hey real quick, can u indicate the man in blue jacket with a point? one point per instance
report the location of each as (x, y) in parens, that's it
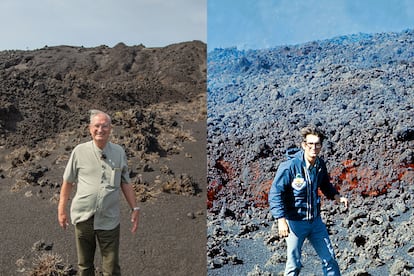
(295, 204)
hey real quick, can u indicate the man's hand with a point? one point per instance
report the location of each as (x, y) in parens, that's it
(129, 194)
(341, 199)
(283, 227)
(65, 191)
(63, 219)
(134, 221)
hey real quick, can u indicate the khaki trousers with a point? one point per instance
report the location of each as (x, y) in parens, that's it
(108, 241)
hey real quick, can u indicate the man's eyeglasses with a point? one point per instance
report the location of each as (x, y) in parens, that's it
(313, 145)
(103, 126)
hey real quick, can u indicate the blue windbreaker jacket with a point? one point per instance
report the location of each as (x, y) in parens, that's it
(294, 195)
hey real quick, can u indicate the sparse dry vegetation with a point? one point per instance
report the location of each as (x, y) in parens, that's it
(182, 185)
(46, 264)
(144, 193)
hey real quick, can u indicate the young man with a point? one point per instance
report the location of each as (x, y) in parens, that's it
(99, 168)
(295, 204)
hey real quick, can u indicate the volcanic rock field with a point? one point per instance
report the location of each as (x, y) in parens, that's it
(359, 89)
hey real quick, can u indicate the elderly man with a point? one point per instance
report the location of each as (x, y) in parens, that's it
(295, 204)
(99, 170)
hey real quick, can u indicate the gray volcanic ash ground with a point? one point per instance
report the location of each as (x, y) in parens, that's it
(359, 88)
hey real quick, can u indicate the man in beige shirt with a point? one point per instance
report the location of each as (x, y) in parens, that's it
(99, 169)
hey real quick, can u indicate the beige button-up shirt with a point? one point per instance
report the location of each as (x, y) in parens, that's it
(98, 175)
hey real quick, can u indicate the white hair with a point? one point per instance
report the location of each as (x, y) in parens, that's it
(95, 112)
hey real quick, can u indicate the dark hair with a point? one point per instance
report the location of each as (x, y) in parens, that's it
(313, 130)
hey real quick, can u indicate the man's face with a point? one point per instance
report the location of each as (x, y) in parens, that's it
(100, 129)
(312, 147)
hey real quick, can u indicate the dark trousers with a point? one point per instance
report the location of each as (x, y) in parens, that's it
(108, 241)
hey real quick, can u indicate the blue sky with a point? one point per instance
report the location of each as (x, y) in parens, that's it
(258, 24)
(29, 24)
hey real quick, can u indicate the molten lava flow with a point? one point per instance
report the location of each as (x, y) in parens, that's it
(261, 195)
(213, 189)
(365, 180)
(349, 176)
(258, 188)
(215, 186)
(402, 174)
(225, 167)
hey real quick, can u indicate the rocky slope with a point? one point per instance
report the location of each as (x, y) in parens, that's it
(359, 89)
(50, 90)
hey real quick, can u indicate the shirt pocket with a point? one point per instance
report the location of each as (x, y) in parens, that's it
(116, 177)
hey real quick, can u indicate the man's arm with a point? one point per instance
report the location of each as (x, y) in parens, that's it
(276, 201)
(129, 194)
(275, 197)
(65, 192)
(329, 190)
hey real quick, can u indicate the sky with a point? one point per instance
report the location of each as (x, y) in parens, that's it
(260, 24)
(29, 24)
